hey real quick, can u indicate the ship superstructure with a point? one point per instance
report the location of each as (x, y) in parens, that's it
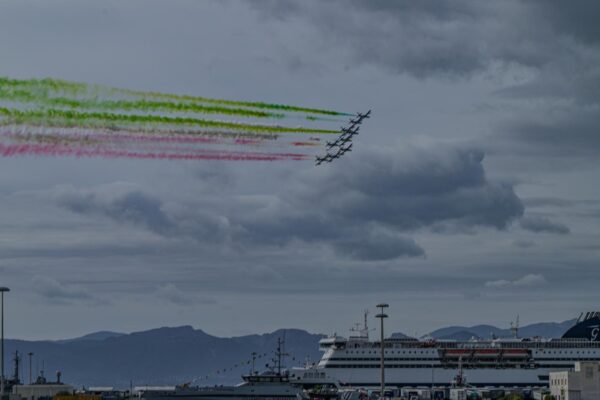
(355, 361)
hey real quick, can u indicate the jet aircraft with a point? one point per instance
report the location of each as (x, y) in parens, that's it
(344, 141)
(360, 117)
(327, 158)
(350, 131)
(346, 149)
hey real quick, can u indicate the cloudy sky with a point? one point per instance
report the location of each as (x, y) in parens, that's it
(471, 195)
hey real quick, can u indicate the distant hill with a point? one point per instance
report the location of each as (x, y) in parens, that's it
(101, 335)
(399, 335)
(545, 329)
(160, 356)
(460, 335)
(167, 356)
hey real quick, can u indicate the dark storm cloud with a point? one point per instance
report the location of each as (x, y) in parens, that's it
(129, 205)
(132, 207)
(377, 246)
(411, 189)
(558, 42)
(443, 38)
(569, 132)
(361, 207)
(384, 33)
(578, 18)
(532, 202)
(542, 224)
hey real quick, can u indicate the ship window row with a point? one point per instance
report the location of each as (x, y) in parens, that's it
(453, 366)
(557, 343)
(432, 352)
(570, 359)
(569, 352)
(378, 359)
(490, 359)
(390, 352)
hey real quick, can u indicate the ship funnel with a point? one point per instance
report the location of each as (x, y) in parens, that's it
(587, 327)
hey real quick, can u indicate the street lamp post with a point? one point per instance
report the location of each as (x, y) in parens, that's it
(381, 316)
(30, 354)
(2, 290)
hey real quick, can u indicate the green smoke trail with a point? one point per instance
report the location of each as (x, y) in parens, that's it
(48, 86)
(103, 119)
(126, 105)
(255, 104)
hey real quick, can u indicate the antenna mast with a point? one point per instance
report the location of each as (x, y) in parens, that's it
(514, 328)
(17, 361)
(280, 354)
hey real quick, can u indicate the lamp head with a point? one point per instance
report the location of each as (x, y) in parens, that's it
(4, 289)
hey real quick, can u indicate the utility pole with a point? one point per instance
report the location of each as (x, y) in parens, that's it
(382, 316)
(30, 354)
(253, 363)
(2, 291)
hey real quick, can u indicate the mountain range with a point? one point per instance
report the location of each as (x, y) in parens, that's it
(167, 356)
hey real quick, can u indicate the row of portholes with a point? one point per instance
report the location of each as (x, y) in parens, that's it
(567, 352)
(391, 352)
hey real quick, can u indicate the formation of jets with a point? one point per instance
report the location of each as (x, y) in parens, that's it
(343, 144)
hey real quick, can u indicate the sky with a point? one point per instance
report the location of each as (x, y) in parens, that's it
(470, 196)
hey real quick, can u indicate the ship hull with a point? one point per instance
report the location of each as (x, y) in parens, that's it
(440, 376)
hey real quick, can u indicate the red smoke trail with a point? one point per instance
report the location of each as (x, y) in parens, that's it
(125, 137)
(64, 150)
(309, 144)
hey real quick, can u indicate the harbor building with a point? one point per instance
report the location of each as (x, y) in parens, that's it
(41, 389)
(581, 384)
(37, 391)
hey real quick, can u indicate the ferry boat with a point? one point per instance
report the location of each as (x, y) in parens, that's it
(525, 362)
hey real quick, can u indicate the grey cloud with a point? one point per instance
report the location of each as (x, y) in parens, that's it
(557, 202)
(125, 207)
(365, 202)
(524, 281)
(59, 293)
(531, 202)
(410, 189)
(576, 18)
(171, 293)
(127, 204)
(569, 131)
(540, 224)
(359, 207)
(557, 43)
(524, 243)
(443, 38)
(377, 246)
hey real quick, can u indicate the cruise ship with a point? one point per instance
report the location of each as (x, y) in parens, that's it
(355, 361)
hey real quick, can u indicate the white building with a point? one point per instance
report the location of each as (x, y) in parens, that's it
(44, 391)
(581, 384)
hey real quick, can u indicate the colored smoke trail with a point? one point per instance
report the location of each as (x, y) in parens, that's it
(124, 138)
(138, 105)
(59, 118)
(65, 150)
(148, 131)
(54, 85)
(53, 117)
